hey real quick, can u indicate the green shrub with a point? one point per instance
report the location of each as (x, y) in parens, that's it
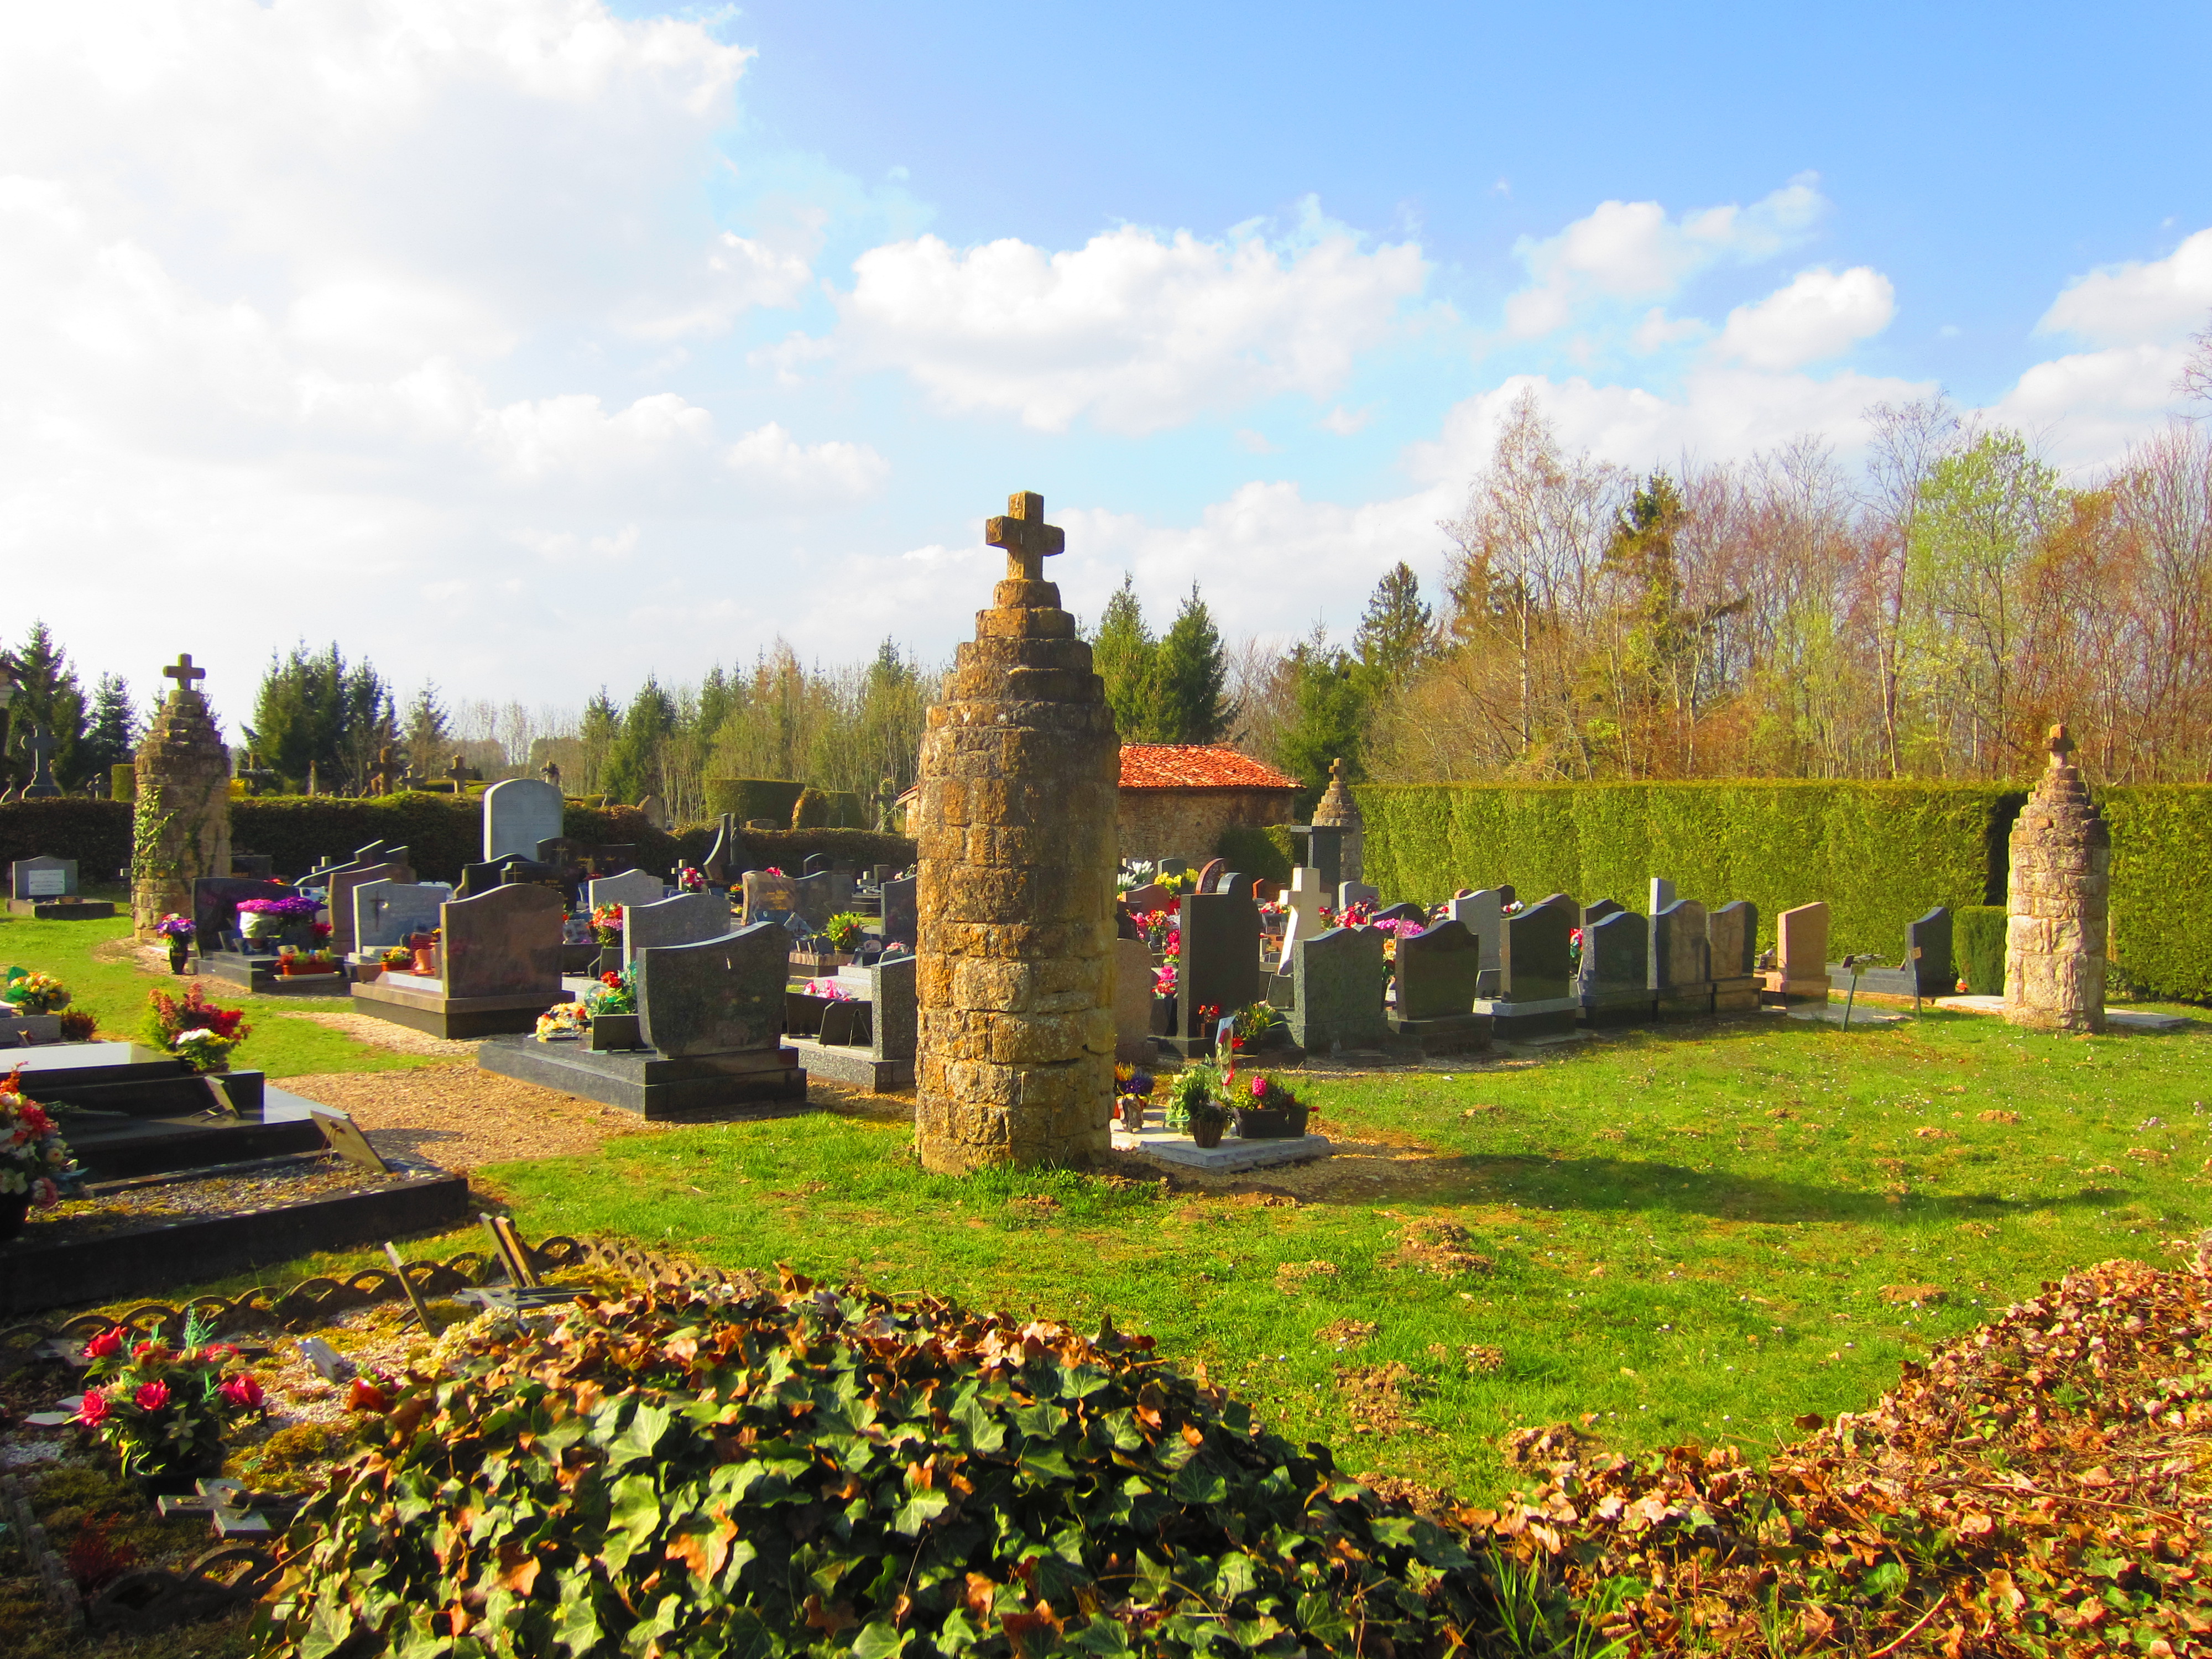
(811, 810)
(1978, 947)
(753, 798)
(2159, 938)
(95, 833)
(299, 831)
(1254, 852)
(1880, 854)
(717, 1471)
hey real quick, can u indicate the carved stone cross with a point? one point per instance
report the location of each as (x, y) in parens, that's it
(1028, 539)
(458, 773)
(183, 672)
(385, 775)
(2062, 747)
(41, 745)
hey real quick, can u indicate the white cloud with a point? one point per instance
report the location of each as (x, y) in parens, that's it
(1658, 331)
(1135, 330)
(1345, 422)
(2084, 408)
(2139, 303)
(1632, 251)
(772, 456)
(1820, 315)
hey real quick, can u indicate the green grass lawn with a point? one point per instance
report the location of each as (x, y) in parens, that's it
(115, 990)
(1690, 1235)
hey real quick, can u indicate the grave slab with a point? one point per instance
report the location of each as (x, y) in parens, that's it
(769, 1083)
(2123, 1019)
(419, 1002)
(258, 974)
(1230, 1155)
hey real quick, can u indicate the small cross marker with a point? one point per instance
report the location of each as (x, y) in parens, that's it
(183, 672)
(1028, 539)
(2062, 747)
(459, 773)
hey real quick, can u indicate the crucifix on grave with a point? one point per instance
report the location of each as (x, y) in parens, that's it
(458, 774)
(387, 773)
(42, 785)
(1028, 539)
(184, 672)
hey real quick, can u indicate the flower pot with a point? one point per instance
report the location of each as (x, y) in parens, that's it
(260, 926)
(426, 960)
(1206, 1132)
(613, 1031)
(1279, 1123)
(13, 1207)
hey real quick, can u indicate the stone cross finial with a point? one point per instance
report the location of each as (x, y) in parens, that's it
(2062, 747)
(41, 744)
(387, 773)
(1336, 770)
(459, 773)
(1028, 539)
(183, 672)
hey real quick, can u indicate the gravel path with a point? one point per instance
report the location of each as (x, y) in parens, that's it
(460, 1116)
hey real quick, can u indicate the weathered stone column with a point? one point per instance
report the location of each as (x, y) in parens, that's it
(2056, 900)
(180, 825)
(1020, 768)
(1336, 809)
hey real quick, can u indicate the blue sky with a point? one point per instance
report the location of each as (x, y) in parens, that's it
(528, 344)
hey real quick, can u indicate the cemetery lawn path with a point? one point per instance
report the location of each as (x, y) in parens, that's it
(109, 976)
(1672, 1234)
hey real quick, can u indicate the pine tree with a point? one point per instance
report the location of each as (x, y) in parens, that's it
(1192, 672)
(47, 694)
(602, 726)
(633, 766)
(1127, 657)
(1330, 714)
(428, 734)
(315, 710)
(112, 737)
(1397, 633)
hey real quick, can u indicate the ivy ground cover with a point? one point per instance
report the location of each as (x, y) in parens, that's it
(1661, 1238)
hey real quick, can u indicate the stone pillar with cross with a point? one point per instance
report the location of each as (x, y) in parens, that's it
(2058, 901)
(181, 827)
(1020, 774)
(1337, 809)
(41, 744)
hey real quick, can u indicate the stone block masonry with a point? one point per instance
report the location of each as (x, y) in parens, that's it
(2058, 896)
(180, 825)
(1014, 978)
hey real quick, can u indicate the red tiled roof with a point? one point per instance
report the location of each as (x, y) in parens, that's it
(1196, 766)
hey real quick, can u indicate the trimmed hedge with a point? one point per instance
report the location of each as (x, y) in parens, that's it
(1880, 854)
(1258, 852)
(753, 798)
(95, 833)
(2161, 938)
(1977, 947)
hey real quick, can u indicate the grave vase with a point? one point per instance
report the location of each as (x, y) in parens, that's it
(178, 950)
(426, 960)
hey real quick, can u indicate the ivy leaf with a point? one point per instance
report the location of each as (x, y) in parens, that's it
(979, 1431)
(1196, 1483)
(638, 1436)
(922, 1506)
(880, 1641)
(633, 1519)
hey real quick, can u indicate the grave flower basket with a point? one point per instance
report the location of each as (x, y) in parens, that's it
(1206, 1124)
(161, 1410)
(33, 1158)
(1270, 1112)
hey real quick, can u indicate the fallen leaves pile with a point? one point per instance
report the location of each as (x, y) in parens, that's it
(2036, 1488)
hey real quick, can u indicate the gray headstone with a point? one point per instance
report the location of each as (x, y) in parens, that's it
(631, 887)
(897, 1015)
(1732, 932)
(1220, 966)
(1337, 988)
(517, 814)
(1134, 977)
(768, 895)
(1662, 894)
(1681, 956)
(1437, 972)
(1539, 950)
(902, 913)
(715, 996)
(1403, 911)
(686, 918)
(343, 884)
(1143, 900)
(816, 898)
(816, 864)
(1354, 892)
(503, 943)
(720, 863)
(1616, 954)
(1928, 953)
(42, 878)
(1593, 914)
(1324, 852)
(1482, 914)
(386, 912)
(215, 905)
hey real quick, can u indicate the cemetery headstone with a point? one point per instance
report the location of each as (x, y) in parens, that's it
(2057, 900)
(1323, 852)
(631, 887)
(260, 867)
(1302, 902)
(1536, 989)
(722, 995)
(1614, 981)
(1239, 883)
(685, 919)
(816, 864)
(816, 898)
(1219, 972)
(769, 897)
(1662, 894)
(1210, 874)
(1402, 911)
(1133, 977)
(1928, 954)
(214, 907)
(721, 864)
(1681, 962)
(901, 920)
(1482, 913)
(894, 1015)
(1732, 936)
(655, 811)
(1337, 991)
(343, 885)
(1801, 956)
(517, 814)
(1015, 1062)
(1437, 977)
(503, 943)
(386, 912)
(1148, 897)
(42, 878)
(1350, 893)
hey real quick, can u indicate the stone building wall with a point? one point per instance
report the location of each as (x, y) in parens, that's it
(1164, 823)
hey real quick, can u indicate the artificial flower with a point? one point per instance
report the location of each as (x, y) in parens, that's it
(91, 1409)
(151, 1397)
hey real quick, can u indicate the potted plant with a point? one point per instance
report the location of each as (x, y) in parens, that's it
(845, 931)
(607, 928)
(1132, 1091)
(178, 931)
(163, 1410)
(689, 880)
(1208, 1118)
(612, 1004)
(194, 1030)
(263, 922)
(1192, 1105)
(34, 1157)
(1268, 1111)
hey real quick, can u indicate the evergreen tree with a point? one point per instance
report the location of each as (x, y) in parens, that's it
(428, 735)
(602, 726)
(47, 694)
(1126, 656)
(634, 765)
(889, 721)
(112, 737)
(315, 710)
(1329, 714)
(1192, 677)
(1397, 633)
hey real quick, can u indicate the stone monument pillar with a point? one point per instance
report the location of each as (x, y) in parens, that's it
(1020, 772)
(2056, 903)
(1337, 809)
(180, 824)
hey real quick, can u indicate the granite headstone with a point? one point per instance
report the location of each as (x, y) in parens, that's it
(716, 996)
(517, 814)
(503, 943)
